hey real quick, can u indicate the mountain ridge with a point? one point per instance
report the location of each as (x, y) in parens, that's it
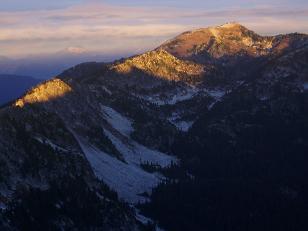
(159, 120)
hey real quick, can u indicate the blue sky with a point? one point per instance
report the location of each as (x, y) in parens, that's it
(130, 26)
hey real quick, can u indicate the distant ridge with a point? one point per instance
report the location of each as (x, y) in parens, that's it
(13, 86)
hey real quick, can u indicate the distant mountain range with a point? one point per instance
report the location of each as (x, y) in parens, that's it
(207, 132)
(49, 65)
(13, 86)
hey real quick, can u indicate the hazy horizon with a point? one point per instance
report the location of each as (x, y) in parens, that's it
(130, 27)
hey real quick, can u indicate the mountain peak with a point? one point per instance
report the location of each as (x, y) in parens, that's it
(224, 40)
(74, 50)
(231, 25)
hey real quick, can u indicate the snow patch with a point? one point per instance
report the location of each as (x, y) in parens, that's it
(128, 180)
(127, 177)
(135, 153)
(183, 125)
(132, 151)
(217, 94)
(107, 90)
(50, 143)
(145, 220)
(119, 122)
(180, 96)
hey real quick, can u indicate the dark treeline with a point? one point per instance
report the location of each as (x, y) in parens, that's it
(249, 167)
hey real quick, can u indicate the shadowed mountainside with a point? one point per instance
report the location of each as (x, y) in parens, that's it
(208, 131)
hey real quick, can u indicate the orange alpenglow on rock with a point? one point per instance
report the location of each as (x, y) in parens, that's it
(44, 92)
(227, 39)
(161, 64)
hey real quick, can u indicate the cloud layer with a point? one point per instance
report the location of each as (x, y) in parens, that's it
(129, 29)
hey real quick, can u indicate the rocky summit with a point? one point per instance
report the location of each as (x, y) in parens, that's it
(209, 131)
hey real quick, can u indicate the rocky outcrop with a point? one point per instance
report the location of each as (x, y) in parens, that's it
(45, 92)
(161, 64)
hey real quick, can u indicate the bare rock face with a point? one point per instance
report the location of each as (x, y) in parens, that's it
(45, 92)
(226, 40)
(161, 64)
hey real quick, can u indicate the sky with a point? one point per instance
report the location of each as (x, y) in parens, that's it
(31, 27)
